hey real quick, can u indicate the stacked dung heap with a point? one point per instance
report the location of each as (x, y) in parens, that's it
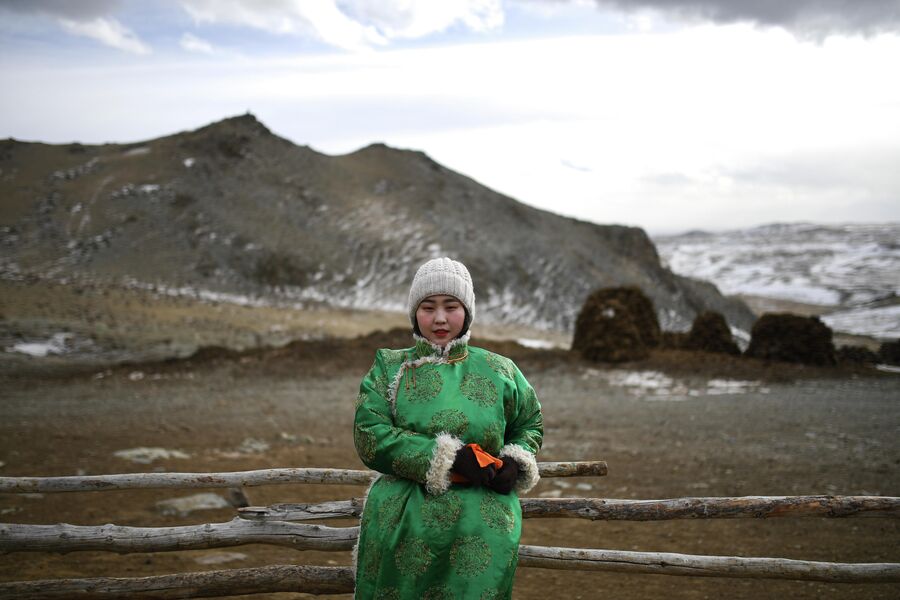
(792, 338)
(616, 325)
(856, 355)
(889, 353)
(710, 333)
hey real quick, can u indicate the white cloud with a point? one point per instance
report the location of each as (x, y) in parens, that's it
(321, 19)
(350, 24)
(192, 43)
(109, 31)
(418, 18)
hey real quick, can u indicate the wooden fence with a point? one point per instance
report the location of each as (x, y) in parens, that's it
(275, 525)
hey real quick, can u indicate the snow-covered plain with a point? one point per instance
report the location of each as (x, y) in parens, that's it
(852, 269)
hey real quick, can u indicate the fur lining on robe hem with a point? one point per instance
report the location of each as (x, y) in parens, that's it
(355, 553)
(437, 480)
(528, 476)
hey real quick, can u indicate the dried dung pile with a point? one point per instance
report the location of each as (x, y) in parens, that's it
(792, 338)
(616, 325)
(710, 333)
(889, 353)
(856, 355)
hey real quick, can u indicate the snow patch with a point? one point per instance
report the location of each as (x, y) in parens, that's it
(653, 385)
(189, 162)
(715, 387)
(137, 151)
(881, 322)
(57, 344)
(532, 343)
(144, 455)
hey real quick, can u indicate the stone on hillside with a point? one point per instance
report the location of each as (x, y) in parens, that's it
(889, 353)
(710, 333)
(792, 338)
(608, 329)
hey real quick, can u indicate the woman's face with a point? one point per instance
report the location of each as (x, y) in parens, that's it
(440, 319)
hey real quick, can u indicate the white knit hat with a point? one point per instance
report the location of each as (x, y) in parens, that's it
(443, 276)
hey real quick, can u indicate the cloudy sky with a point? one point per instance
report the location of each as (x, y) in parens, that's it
(666, 114)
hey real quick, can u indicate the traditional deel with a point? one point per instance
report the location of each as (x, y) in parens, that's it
(420, 535)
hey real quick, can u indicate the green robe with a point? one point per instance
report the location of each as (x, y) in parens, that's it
(420, 535)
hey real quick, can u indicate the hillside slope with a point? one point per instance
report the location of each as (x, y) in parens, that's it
(233, 208)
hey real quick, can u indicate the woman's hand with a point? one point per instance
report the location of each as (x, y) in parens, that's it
(505, 478)
(466, 464)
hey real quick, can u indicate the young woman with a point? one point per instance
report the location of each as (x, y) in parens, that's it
(454, 430)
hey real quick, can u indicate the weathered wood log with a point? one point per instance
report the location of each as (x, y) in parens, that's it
(95, 483)
(209, 584)
(756, 507)
(334, 580)
(667, 563)
(611, 509)
(127, 481)
(335, 509)
(64, 538)
(585, 468)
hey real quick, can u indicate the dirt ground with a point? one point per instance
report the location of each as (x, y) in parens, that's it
(677, 424)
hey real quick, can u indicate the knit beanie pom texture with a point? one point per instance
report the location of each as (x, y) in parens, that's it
(442, 276)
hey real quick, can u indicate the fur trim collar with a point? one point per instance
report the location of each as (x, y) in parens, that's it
(426, 352)
(455, 347)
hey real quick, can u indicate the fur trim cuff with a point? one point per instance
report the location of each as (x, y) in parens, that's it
(528, 476)
(437, 480)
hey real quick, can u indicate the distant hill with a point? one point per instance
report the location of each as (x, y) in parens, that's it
(848, 273)
(233, 208)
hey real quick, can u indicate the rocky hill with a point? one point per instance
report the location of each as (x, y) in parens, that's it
(234, 209)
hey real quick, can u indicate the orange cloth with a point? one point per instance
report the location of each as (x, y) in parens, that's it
(484, 459)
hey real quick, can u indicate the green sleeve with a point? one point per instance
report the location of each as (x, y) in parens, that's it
(392, 450)
(524, 432)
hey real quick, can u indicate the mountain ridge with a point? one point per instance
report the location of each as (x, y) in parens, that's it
(234, 208)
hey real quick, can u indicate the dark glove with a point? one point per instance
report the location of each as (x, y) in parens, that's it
(467, 465)
(506, 477)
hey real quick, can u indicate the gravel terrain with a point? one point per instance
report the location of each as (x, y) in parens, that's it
(674, 425)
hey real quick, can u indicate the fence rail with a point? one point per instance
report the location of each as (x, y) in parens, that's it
(134, 481)
(272, 525)
(612, 509)
(338, 580)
